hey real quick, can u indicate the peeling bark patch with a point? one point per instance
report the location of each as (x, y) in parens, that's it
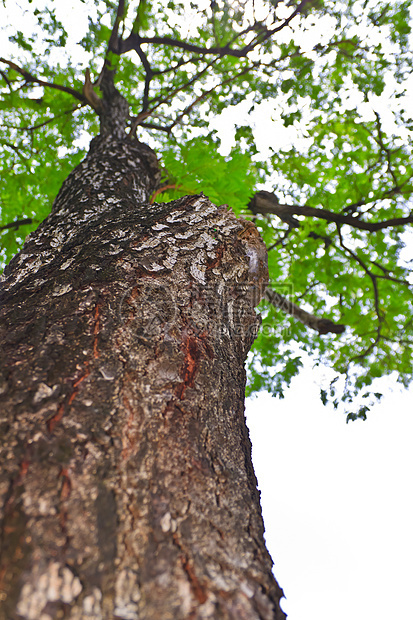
(66, 484)
(92, 605)
(192, 358)
(79, 381)
(129, 436)
(52, 584)
(199, 591)
(216, 260)
(127, 595)
(43, 391)
(55, 419)
(193, 354)
(196, 587)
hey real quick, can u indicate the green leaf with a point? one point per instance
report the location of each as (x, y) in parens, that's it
(345, 106)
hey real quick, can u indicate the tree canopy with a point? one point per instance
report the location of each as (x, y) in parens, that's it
(329, 189)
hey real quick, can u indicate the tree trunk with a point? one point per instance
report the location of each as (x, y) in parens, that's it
(126, 484)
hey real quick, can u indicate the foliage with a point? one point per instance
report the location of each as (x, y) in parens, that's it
(332, 80)
(196, 166)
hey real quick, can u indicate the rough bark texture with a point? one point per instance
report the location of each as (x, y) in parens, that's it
(126, 484)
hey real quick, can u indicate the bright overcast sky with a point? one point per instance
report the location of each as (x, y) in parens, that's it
(336, 498)
(337, 503)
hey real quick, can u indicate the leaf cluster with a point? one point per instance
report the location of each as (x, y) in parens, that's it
(337, 76)
(196, 166)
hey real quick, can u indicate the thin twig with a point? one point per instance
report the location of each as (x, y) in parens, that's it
(373, 279)
(163, 189)
(50, 120)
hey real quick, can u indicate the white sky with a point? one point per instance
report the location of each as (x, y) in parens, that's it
(336, 498)
(337, 503)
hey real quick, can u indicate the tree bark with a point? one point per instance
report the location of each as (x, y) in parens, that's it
(126, 484)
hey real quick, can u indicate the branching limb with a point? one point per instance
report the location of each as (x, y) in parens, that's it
(148, 77)
(179, 63)
(371, 275)
(6, 79)
(281, 240)
(138, 120)
(50, 120)
(307, 290)
(134, 40)
(161, 99)
(30, 78)
(106, 77)
(171, 94)
(15, 149)
(17, 224)
(113, 44)
(386, 275)
(319, 324)
(385, 149)
(264, 202)
(266, 33)
(155, 127)
(90, 94)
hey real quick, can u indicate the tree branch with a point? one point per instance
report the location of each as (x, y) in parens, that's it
(386, 275)
(179, 63)
(172, 93)
(266, 203)
(154, 126)
(206, 93)
(162, 189)
(6, 79)
(161, 99)
(268, 33)
(17, 224)
(113, 43)
(15, 149)
(50, 120)
(319, 324)
(148, 77)
(134, 40)
(106, 77)
(377, 309)
(385, 149)
(29, 77)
